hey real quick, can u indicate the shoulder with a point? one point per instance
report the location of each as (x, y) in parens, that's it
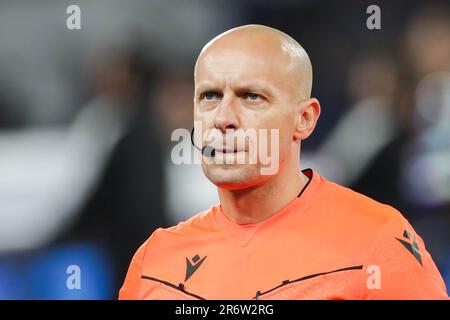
(387, 241)
(198, 223)
(164, 239)
(349, 205)
(154, 255)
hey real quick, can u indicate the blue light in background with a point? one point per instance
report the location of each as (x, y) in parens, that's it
(43, 275)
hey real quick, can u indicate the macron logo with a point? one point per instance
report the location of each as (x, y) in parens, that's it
(191, 267)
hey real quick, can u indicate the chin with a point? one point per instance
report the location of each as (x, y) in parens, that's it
(233, 177)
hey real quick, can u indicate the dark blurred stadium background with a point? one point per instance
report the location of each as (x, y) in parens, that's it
(86, 117)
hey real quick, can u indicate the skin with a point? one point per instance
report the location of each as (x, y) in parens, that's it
(255, 77)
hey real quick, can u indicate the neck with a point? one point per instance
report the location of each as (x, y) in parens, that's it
(255, 204)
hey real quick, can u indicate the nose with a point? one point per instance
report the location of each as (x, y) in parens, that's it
(226, 116)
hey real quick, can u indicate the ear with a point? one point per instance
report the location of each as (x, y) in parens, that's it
(308, 114)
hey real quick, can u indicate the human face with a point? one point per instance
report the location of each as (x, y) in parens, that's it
(239, 90)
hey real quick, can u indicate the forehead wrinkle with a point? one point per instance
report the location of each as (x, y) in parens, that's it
(242, 66)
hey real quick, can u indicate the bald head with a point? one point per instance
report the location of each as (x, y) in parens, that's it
(278, 53)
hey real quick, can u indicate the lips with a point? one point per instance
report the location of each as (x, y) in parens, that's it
(227, 144)
(228, 150)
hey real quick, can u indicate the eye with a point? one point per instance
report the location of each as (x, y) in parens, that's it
(252, 96)
(209, 96)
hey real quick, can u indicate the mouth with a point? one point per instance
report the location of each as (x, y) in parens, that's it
(228, 151)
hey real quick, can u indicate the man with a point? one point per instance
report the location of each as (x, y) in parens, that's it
(290, 234)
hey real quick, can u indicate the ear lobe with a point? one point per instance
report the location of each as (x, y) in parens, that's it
(308, 114)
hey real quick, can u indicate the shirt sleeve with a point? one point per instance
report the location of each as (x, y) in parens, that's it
(132, 285)
(405, 269)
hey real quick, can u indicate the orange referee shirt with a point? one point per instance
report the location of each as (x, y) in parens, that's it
(329, 243)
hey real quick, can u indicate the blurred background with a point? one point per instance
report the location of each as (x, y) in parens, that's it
(86, 118)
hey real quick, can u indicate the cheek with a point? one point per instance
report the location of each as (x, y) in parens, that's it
(198, 115)
(202, 120)
(285, 125)
(273, 117)
(280, 121)
(274, 130)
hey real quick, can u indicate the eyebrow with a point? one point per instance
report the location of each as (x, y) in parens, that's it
(254, 87)
(207, 86)
(251, 86)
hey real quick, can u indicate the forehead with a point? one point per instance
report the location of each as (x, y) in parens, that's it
(237, 66)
